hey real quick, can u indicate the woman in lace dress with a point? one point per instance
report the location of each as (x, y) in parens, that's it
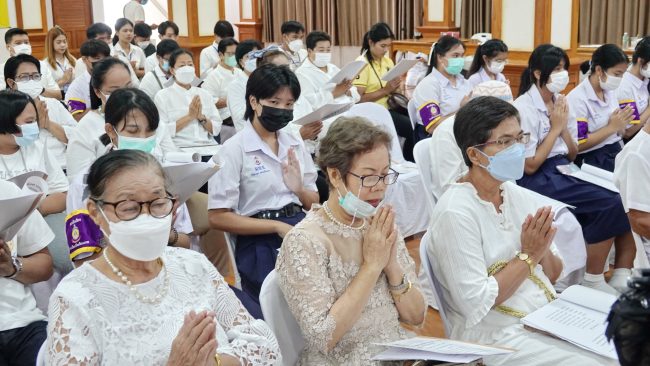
(344, 269)
(143, 303)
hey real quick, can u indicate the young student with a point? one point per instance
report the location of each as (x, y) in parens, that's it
(166, 30)
(545, 114)
(634, 89)
(124, 49)
(236, 99)
(58, 60)
(98, 31)
(293, 33)
(143, 38)
(444, 90)
(17, 42)
(218, 82)
(601, 123)
(78, 96)
(209, 58)
(489, 61)
(155, 80)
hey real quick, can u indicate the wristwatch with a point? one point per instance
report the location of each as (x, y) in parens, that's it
(526, 258)
(18, 266)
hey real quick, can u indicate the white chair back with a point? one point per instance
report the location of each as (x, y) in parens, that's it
(413, 112)
(423, 161)
(433, 282)
(379, 116)
(40, 358)
(278, 316)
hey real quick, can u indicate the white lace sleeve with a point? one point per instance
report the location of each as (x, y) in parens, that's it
(304, 280)
(252, 341)
(407, 263)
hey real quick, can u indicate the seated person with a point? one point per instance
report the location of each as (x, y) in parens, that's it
(125, 50)
(491, 246)
(24, 260)
(209, 58)
(218, 82)
(78, 96)
(142, 38)
(267, 177)
(157, 78)
(166, 30)
(59, 60)
(633, 90)
(173, 306)
(293, 33)
(236, 99)
(100, 32)
(346, 265)
(489, 61)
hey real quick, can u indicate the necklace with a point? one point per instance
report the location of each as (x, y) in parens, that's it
(146, 299)
(330, 215)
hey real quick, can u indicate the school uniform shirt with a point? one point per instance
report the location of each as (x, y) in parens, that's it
(297, 58)
(535, 120)
(370, 77)
(135, 54)
(316, 89)
(591, 113)
(173, 103)
(46, 78)
(435, 97)
(34, 157)
(209, 58)
(634, 92)
(58, 71)
(217, 83)
(237, 100)
(79, 68)
(134, 11)
(250, 179)
(57, 113)
(153, 82)
(151, 63)
(17, 303)
(481, 76)
(78, 96)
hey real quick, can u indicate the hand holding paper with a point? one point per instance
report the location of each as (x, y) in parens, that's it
(400, 69)
(348, 72)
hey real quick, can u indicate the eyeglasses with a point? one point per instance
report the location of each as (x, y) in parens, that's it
(369, 181)
(23, 78)
(508, 141)
(128, 210)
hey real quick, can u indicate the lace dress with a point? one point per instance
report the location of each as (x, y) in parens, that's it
(318, 260)
(97, 321)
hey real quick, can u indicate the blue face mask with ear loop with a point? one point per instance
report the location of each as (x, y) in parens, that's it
(30, 133)
(354, 206)
(507, 164)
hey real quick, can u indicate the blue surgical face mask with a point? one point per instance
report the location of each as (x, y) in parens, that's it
(165, 66)
(508, 164)
(355, 206)
(136, 143)
(30, 133)
(455, 65)
(230, 61)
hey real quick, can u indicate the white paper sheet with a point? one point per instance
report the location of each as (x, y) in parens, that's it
(180, 157)
(20, 180)
(447, 346)
(400, 69)
(348, 72)
(403, 354)
(187, 178)
(325, 112)
(591, 174)
(16, 210)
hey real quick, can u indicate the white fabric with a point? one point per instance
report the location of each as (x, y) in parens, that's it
(218, 83)
(535, 120)
(134, 11)
(296, 58)
(57, 114)
(633, 88)
(44, 289)
(135, 54)
(58, 71)
(209, 58)
(423, 161)
(101, 322)
(380, 117)
(17, 303)
(482, 76)
(84, 146)
(237, 101)
(79, 91)
(46, 79)
(315, 88)
(279, 318)
(436, 89)
(36, 158)
(173, 104)
(79, 68)
(432, 284)
(151, 62)
(152, 80)
(631, 176)
(251, 178)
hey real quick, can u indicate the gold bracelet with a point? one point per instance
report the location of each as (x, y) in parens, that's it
(399, 295)
(217, 359)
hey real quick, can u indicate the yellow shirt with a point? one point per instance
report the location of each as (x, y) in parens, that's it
(370, 77)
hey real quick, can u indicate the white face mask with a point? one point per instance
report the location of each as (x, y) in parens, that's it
(22, 49)
(355, 206)
(496, 67)
(611, 83)
(32, 88)
(295, 45)
(645, 72)
(185, 75)
(250, 65)
(142, 239)
(558, 81)
(322, 59)
(144, 44)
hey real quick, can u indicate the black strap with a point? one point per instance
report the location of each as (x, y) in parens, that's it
(158, 80)
(376, 74)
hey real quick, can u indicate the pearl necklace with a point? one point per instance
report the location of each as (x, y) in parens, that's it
(330, 215)
(134, 290)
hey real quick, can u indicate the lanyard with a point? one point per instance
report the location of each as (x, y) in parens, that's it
(158, 80)
(22, 157)
(62, 67)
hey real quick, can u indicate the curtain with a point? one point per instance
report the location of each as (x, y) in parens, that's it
(476, 17)
(605, 21)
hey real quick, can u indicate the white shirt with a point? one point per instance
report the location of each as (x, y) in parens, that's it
(316, 89)
(447, 162)
(173, 104)
(435, 97)
(633, 91)
(84, 146)
(46, 78)
(151, 62)
(535, 119)
(60, 115)
(591, 113)
(632, 173)
(58, 71)
(78, 96)
(79, 68)
(218, 82)
(237, 100)
(134, 11)
(251, 178)
(17, 303)
(209, 58)
(135, 54)
(297, 58)
(153, 81)
(34, 157)
(482, 76)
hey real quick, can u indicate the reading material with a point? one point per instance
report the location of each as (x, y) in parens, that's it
(577, 316)
(591, 174)
(15, 211)
(348, 72)
(426, 348)
(325, 112)
(400, 69)
(187, 178)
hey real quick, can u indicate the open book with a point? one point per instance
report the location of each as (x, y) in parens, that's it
(436, 349)
(348, 72)
(577, 316)
(400, 69)
(187, 178)
(15, 211)
(591, 174)
(325, 112)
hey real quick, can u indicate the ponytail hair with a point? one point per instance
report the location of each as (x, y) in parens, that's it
(119, 24)
(100, 69)
(440, 48)
(489, 49)
(377, 32)
(544, 58)
(605, 56)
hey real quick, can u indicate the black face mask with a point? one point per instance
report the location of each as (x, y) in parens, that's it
(274, 119)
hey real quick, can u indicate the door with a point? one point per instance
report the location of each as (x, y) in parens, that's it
(74, 16)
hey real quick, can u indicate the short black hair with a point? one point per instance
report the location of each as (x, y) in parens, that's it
(96, 29)
(642, 51)
(166, 47)
(14, 32)
(605, 56)
(291, 26)
(98, 75)
(123, 102)
(142, 30)
(316, 36)
(476, 120)
(162, 27)
(245, 47)
(94, 48)
(12, 64)
(176, 54)
(12, 104)
(544, 58)
(225, 42)
(266, 80)
(223, 29)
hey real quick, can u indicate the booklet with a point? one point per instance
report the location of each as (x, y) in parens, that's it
(187, 178)
(591, 174)
(578, 316)
(15, 211)
(437, 349)
(400, 69)
(325, 112)
(348, 72)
